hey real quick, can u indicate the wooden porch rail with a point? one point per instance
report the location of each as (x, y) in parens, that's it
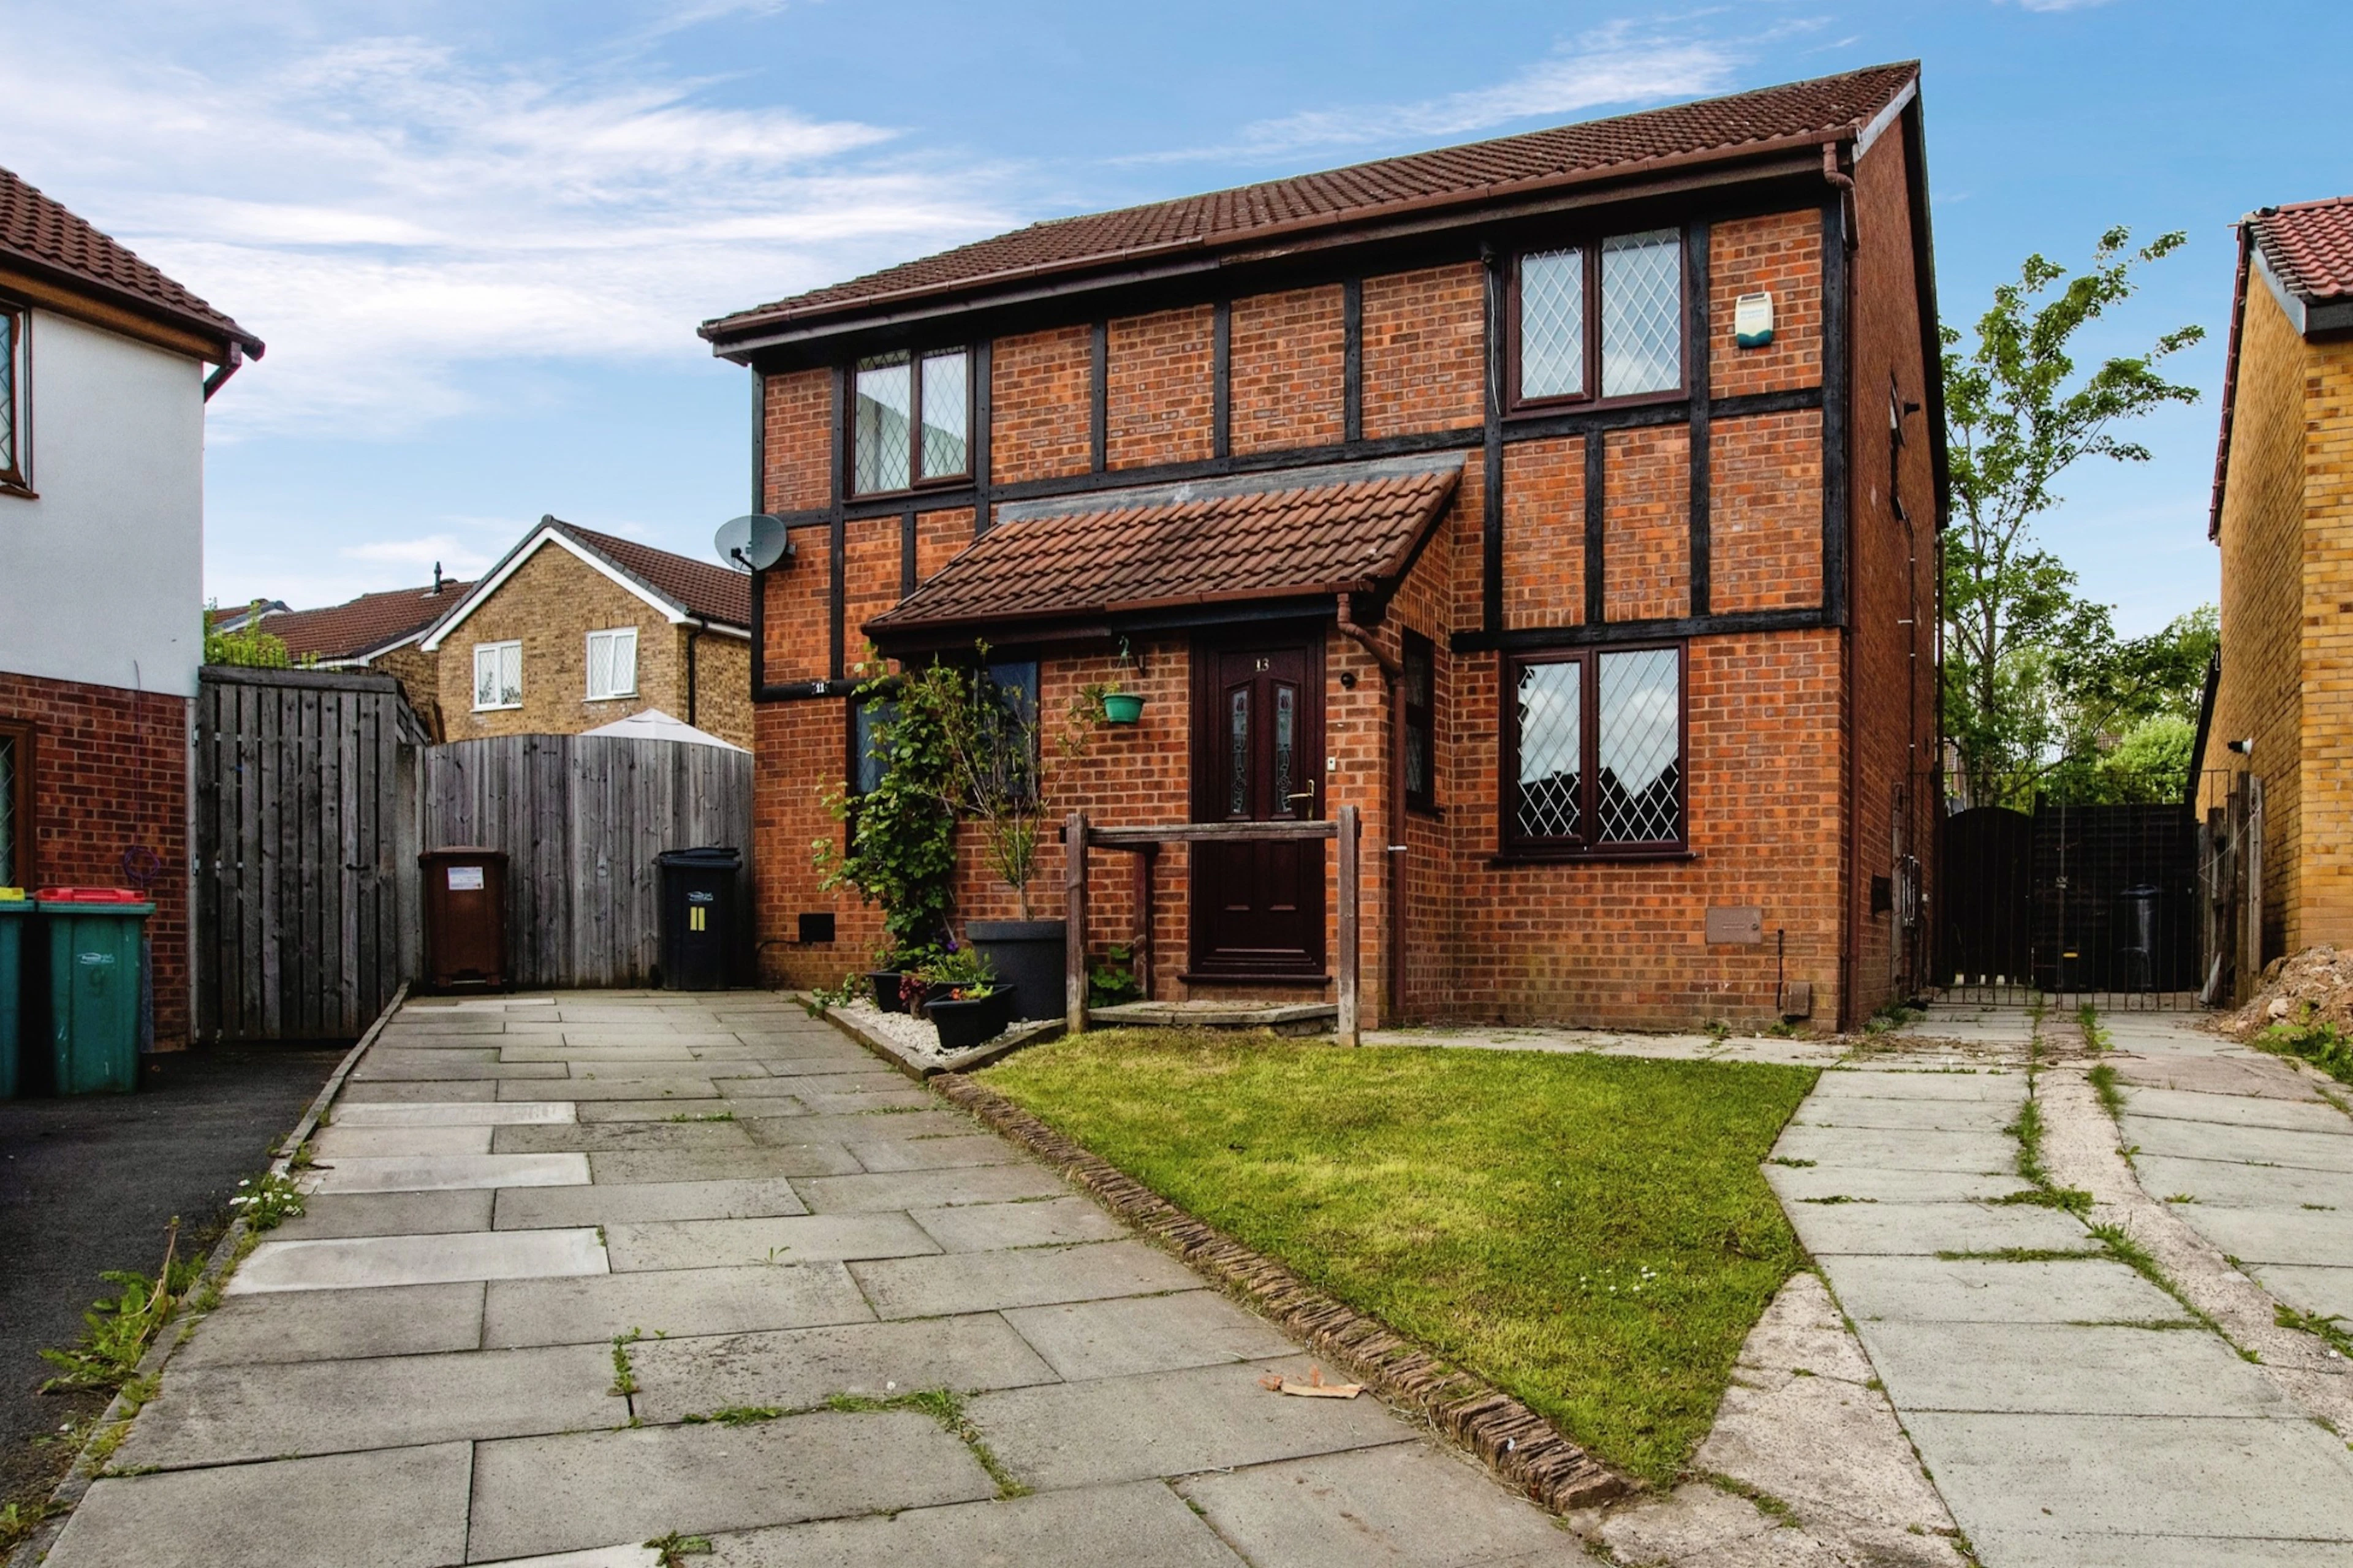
(1079, 836)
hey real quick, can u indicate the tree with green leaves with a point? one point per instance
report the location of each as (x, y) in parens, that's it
(248, 645)
(2017, 418)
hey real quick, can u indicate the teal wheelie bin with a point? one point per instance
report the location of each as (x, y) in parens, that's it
(93, 937)
(16, 912)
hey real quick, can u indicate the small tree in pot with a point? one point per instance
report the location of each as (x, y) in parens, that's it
(992, 734)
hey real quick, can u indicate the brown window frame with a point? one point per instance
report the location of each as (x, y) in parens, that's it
(1588, 249)
(1422, 719)
(20, 816)
(15, 475)
(1512, 845)
(918, 480)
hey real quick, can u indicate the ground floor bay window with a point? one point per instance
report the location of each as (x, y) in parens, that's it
(1593, 753)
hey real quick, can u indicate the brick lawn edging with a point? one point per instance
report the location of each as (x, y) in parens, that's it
(1522, 1447)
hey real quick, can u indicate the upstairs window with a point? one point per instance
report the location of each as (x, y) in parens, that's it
(12, 386)
(1594, 751)
(497, 675)
(911, 423)
(1421, 723)
(1630, 346)
(612, 664)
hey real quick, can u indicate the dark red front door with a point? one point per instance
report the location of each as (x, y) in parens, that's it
(1257, 756)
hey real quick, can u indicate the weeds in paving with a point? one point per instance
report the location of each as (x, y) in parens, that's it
(2074, 1200)
(267, 1203)
(1892, 1016)
(705, 1116)
(736, 1415)
(2028, 1131)
(2155, 1325)
(117, 1330)
(1793, 1165)
(625, 1377)
(304, 1156)
(2317, 1041)
(2137, 1257)
(1765, 1503)
(676, 1548)
(2181, 1197)
(2324, 1208)
(2330, 1331)
(1718, 1030)
(2103, 1079)
(2023, 1254)
(2096, 1037)
(946, 1406)
(1838, 1198)
(17, 1520)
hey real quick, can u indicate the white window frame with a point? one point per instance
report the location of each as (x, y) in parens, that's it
(497, 650)
(615, 638)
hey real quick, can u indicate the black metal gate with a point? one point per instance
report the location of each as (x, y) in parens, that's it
(2082, 900)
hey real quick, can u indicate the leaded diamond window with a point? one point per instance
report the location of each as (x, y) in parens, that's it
(911, 421)
(1600, 319)
(1552, 750)
(1421, 722)
(1597, 751)
(1642, 313)
(1552, 324)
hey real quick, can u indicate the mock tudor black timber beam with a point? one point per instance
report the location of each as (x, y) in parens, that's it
(1491, 433)
(1699, 366)
(1597, 480)
(1221, 379)
(759, 504)
(907, 553)
(1837, 378)
(984, 358)
(837, 537)
(1352, 359)
(1660, 629)
(1099, 395)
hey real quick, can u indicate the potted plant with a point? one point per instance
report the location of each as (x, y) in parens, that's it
(890, 971)
(963, 999)
(992, 734)
(1111, 701)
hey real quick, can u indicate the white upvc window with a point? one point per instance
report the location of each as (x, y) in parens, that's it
(612, 664)
(497, 675)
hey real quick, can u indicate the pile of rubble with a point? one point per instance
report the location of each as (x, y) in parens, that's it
(2316, 983)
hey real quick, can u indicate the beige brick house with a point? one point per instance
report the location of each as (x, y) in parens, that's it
(2282, 515)
(574, 629)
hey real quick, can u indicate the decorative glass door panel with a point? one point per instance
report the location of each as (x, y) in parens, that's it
(1258, 726)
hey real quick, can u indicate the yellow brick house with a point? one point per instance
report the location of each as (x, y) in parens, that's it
(574, 629)
(2283, 516)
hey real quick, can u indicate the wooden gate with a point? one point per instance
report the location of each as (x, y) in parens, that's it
(581, 818)
(306, 837)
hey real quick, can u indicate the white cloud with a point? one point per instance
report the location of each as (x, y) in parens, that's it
(456, 556)
(385, 211)
(1608, 65)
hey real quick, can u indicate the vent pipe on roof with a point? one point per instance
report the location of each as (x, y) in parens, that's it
(436, 579)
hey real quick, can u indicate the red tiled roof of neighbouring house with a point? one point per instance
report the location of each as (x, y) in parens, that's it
(2309, 246)
(362, 626)
(714, 593)
(39, 232)
(1311, 532)
(1734, 126)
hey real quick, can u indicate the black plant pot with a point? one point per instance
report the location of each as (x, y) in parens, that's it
(1028, 957)
(886, 990)
(964, 1024)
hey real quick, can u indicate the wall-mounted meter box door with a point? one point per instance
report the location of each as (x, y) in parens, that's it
(1752, 320)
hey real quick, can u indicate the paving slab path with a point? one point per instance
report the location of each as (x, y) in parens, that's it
(2072, 1411)
(584, 1271)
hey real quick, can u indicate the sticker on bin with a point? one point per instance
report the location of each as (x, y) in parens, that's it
(465, 879)
(701, 898)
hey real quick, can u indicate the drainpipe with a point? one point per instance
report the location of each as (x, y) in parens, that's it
(1393, 816)
(1844, 182)
(694, 630)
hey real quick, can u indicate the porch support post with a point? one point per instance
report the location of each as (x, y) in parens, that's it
(1074, 893)
(1140, 945)
(1349, 832)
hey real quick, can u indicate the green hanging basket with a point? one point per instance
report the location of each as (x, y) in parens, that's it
(1123, 706)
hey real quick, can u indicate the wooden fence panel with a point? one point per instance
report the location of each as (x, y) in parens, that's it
(581, 818)
(302, 852)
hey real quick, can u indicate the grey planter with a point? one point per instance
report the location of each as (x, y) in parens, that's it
(1028, 956)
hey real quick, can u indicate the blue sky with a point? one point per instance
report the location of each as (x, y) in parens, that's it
(478, 237)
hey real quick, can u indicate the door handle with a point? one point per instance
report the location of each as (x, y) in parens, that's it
(1301, 794)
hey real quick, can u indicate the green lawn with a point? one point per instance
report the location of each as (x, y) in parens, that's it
(1590, 1232)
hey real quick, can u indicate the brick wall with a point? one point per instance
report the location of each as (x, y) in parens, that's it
(1158, 391)
(1646, 524)
(551, 603)
(2325, 792)
(802, 748)
(1039, 402)
(797, 620)
(723, 686)
(1780, 254)
(110, 790)
(1423, 337)
(939, 537)
(419, 674)
(869, 580)
(799, 440)
(1287, 356)
(1765, 512)
(1543, 533)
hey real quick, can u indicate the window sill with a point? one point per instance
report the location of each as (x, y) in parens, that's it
(498, 708)
(1538, 408)
(21, 493)
(1434, 812)
(915, 492)
(614, 697)
(1587, 857)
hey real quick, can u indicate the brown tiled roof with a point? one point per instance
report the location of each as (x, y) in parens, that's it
(37, 230)
(1346, 528)
(1727, 127)
(2309, 246)
(365, 625)
(701, 588)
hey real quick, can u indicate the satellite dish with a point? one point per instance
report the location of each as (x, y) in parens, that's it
(753, 543)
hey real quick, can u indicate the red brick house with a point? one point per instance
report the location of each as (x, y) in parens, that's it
(378, 631)
(1566, 502)
(103, 383)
